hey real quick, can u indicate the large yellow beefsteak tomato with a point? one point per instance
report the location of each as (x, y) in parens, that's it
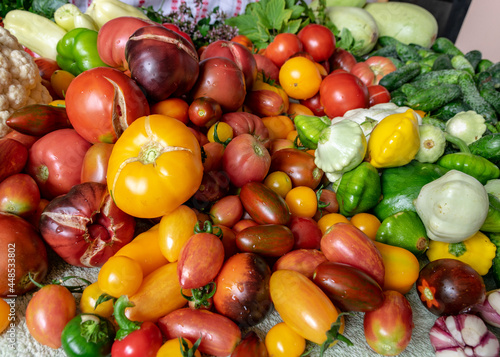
(155, 166)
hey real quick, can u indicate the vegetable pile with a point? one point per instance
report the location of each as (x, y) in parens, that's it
(215, 172)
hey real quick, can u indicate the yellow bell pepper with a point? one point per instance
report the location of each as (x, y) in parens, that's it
(394, 141)
(477, 251)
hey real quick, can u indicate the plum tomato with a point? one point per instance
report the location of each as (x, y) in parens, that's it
(318, 41)
(95, 163)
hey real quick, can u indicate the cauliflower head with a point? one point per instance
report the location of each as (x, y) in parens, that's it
(20, 81)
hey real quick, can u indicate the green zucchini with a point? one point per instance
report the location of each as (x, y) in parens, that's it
(450, 110)
(488, 146)
(474, 57)
(433, 98)
(400, 76)
(472, 97)
(444, 45)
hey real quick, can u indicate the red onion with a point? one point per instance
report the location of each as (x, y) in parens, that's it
(489, 310)
(463, 335)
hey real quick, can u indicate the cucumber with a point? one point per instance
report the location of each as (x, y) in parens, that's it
(472, 97)
(460, 62)
(495, 268)
(405, 230)
(443, 61)
(492, 96)
(397, 62)
(483, 65)
(443, 76)
(409, 89)
(444, 45)
(450, 110)
(407, 53)
(387, 51)
(433, 98)
(488, 147)
(385, 41)
(400, 76)
(474, 57)
(399, 100)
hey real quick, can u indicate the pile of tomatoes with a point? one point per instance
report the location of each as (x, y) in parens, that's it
(236, 211)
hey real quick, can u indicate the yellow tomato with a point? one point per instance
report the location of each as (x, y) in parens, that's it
(4, 315)
(328, 220)
(58, 103)
(172, 348)
(302, 201)
(282, 341)
(119, 276)
(279, 182)
(155, 166)
(174, 230)
(89, 298)
(224, 132)
(302, 305)
(300, 77)
(366, 223)
(60, 80)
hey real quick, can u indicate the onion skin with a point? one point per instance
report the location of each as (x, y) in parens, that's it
(463, 335)
(489, 310)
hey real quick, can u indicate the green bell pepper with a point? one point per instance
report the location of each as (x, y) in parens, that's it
(359, 189)
(88, 335)
(401, 186)
(474, 165)
(77, 51)
(309, 127)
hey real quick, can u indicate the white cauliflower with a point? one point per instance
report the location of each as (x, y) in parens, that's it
(20, 81)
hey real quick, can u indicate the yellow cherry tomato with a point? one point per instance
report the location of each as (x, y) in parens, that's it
(282, 341)
(328, 220)
(279, 182)
(120, 275)
(302, 201)
(172, 348)
(4, 315)
(89, 298)
(224, 132)
(300, 78)
(366, 223)
(60, 80)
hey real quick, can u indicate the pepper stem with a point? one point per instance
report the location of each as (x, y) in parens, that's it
(126, 326)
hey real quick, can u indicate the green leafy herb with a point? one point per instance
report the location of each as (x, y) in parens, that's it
(41, 7)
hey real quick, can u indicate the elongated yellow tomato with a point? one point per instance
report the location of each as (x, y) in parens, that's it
(175, 229)
(145, 250)
(302, 305)
(154, 167)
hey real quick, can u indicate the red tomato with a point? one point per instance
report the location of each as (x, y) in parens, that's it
(204, 111)
(373, 69)
(95, 163)
(55, 161)
(314, 104)
(48, 311)
(282, 47)
(19, 195)
(176, 28)
(263, 204)
(268, 240)
(318, 41)
(245, 160)
(306, 232)
(227, 211)
(340, 92)
(304, 261)
(378, 94)
(341, 59)
(102, 102)
(13, 157)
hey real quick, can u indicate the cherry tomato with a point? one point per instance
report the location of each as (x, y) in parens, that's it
(373, 69)
(173, 107)
(88, 299)
(342, 91)
(204, 111)
(282, 341)
(120, 275)
(300, 78)
(60, 81)
(279, 126)
(95, 163)
(314, 104)
(328, 220)
(172, 348)
(4, 315)
(318, 41)
(295, 109)
(279, 182)
(302, 201)
(243, 40)
(366, 223)
(224, 132)
(282, 47)
(378, 94)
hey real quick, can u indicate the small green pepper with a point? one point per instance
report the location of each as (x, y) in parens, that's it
(473, 165)
(88, 335)
(77, 51)
(359, 189)
(309, 127)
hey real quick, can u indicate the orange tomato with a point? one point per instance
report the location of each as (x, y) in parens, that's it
(367, 223)
(60, 80)
(4, 315)
(145, 250)
(173, 107)
(243, 40)
(298, 109)
(155, 166)
(279, 126)
(292, 136)
(302, 201)
(302, 305)
(328, 220)
(175, 229)
(300, 77)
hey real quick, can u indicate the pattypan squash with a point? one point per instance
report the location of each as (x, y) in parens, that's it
(452, 207)
(432, 143)
(468, 126)
(478, 251)
(341, 147)
(395, 140)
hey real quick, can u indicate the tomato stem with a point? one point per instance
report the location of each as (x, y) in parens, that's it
(126, 326)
